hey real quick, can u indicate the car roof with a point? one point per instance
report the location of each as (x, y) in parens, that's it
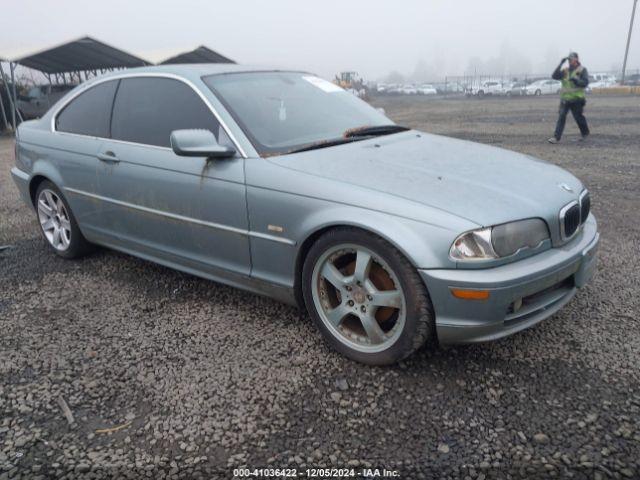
(196, 70)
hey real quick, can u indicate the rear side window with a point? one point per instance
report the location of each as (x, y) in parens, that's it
(147, 110)
(89, 112)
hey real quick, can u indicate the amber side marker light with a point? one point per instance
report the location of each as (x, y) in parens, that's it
(470, 294)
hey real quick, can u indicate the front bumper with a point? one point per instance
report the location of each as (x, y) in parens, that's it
(521, 294)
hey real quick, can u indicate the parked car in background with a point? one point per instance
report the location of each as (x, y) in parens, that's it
(393, 88)
(543, 87)
(408, 90)
(284, 184)
(427, 89)
(487, 87)
(40, 98)
(449, 87)
(633, 80)
(515, 89)
(602, 80)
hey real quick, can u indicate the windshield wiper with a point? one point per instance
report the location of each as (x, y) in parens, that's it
(353, 135)
(374, 131)
(324, 144)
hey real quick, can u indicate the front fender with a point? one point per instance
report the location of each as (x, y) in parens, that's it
(298, 219)
(425, 245)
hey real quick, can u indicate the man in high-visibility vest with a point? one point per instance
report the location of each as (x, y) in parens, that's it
(572, 97)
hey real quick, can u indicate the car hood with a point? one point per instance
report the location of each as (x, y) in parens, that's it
(480, 183)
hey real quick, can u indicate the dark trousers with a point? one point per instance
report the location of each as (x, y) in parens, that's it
(576, 107)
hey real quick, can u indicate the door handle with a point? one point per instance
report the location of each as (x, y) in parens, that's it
(108, 157)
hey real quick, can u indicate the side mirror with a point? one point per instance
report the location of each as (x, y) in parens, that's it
(198, 143)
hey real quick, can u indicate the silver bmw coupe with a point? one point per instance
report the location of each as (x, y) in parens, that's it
(282, 183)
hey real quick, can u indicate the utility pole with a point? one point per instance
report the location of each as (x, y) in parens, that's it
(626, 52)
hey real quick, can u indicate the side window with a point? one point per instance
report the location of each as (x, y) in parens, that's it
(148, 109)
(34, 92)
(89, 112)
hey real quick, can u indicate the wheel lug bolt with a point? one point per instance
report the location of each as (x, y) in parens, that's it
(369, 297)
(363, 308)
(350, 303)
(348, 288)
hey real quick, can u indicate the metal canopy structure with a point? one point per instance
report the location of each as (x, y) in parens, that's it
(67, 62)
(84, 54)
(201, 54)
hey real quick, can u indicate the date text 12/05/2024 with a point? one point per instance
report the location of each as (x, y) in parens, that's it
(315, 473)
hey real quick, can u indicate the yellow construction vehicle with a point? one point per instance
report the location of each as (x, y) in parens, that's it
(349, 80)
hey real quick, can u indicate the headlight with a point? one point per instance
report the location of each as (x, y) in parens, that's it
(475, 245)
(499, 241)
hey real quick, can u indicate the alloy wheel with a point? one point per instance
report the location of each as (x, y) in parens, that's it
(359, 298)
(54, 220)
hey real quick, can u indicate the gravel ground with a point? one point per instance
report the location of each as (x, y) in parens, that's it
(195, 378)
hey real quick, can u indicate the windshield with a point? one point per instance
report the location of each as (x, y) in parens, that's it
(282, 112)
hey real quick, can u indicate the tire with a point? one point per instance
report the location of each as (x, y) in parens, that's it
(377, 318)
(538, 93)
(54, 213)
(481, 93)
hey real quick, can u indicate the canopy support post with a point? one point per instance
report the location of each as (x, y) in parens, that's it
(5, 123)
(12, 68)
(9, 96)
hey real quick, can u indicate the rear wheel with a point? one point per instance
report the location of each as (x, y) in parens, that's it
(366, 298)
(57, 223)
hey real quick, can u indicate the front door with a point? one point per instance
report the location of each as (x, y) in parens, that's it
(80, 129)
(186, 211)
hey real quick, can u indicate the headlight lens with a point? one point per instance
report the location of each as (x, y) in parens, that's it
(499, 241)
(508, 238)
(475, 245)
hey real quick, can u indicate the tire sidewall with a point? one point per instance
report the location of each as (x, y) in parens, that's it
(404, 345)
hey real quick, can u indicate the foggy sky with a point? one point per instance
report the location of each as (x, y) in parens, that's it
(374, 38)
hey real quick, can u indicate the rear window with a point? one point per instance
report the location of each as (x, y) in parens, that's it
(89, 112)
(148, 109)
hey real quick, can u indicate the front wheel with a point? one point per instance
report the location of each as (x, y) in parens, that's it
(366, 297)
(538, 92)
